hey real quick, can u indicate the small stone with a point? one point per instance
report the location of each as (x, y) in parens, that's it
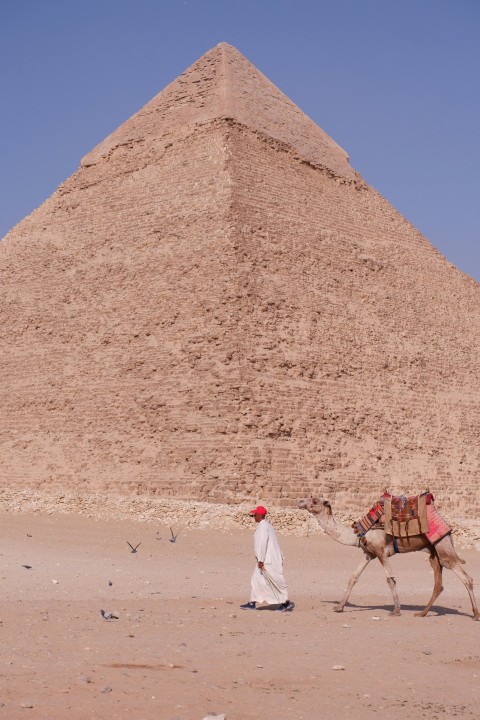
(375, 617)
(347, 626)
(338, 667)
(27, 704)
(427, 652)
(106, 689)
(55, 582)
(84, 679)
(212, 716)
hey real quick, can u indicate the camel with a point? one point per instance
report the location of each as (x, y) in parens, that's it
(376, 544)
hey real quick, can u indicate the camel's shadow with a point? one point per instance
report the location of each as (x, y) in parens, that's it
(435, 610)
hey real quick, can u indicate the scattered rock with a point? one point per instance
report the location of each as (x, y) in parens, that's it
(106, 689)
(338, 667)
(213, 716)
(84, 679)
(26, 704)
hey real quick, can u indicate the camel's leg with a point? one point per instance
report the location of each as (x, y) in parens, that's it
(365, 560)
(449, 559)
(391, 583)
(437, 587)
(468, 582)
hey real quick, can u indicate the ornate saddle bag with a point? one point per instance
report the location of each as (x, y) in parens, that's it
(406, 516)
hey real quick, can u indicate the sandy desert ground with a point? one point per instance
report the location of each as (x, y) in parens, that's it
(181, 647)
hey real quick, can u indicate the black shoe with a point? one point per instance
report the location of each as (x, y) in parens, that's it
(286, 606)
(248, 606)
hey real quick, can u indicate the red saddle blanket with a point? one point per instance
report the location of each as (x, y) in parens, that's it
(437, 525)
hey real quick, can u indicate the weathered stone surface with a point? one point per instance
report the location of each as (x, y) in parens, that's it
(216, 306)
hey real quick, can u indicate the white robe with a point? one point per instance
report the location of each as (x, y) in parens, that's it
(267, 550)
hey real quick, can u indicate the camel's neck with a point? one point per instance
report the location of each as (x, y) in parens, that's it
(340, 533)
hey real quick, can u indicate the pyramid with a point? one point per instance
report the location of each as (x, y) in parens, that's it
(217, 306)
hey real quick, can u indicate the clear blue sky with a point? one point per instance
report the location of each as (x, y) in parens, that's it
(394, 82)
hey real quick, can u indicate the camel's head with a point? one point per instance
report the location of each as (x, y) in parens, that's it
(315, 505)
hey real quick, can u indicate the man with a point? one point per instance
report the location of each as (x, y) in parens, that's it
(267, 584)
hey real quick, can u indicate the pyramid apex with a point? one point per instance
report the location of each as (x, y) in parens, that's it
(222, 83)
(219, 48)
(228, 46)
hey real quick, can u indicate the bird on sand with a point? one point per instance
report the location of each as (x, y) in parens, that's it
(134, 549)
(108, 615)
(174, 537)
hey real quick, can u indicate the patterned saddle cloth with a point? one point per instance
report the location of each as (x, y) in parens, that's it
(374, 518)
(404, 517)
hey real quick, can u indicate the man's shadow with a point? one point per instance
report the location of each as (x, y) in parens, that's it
(276, 607)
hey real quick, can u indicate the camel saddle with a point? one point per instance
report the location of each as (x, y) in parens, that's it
(373, 519)
(406, 515)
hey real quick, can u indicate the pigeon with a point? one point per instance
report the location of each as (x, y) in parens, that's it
(108, 615)
(134, 549)
(174, 537)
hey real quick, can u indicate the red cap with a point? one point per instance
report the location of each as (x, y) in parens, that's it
(260, 510)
